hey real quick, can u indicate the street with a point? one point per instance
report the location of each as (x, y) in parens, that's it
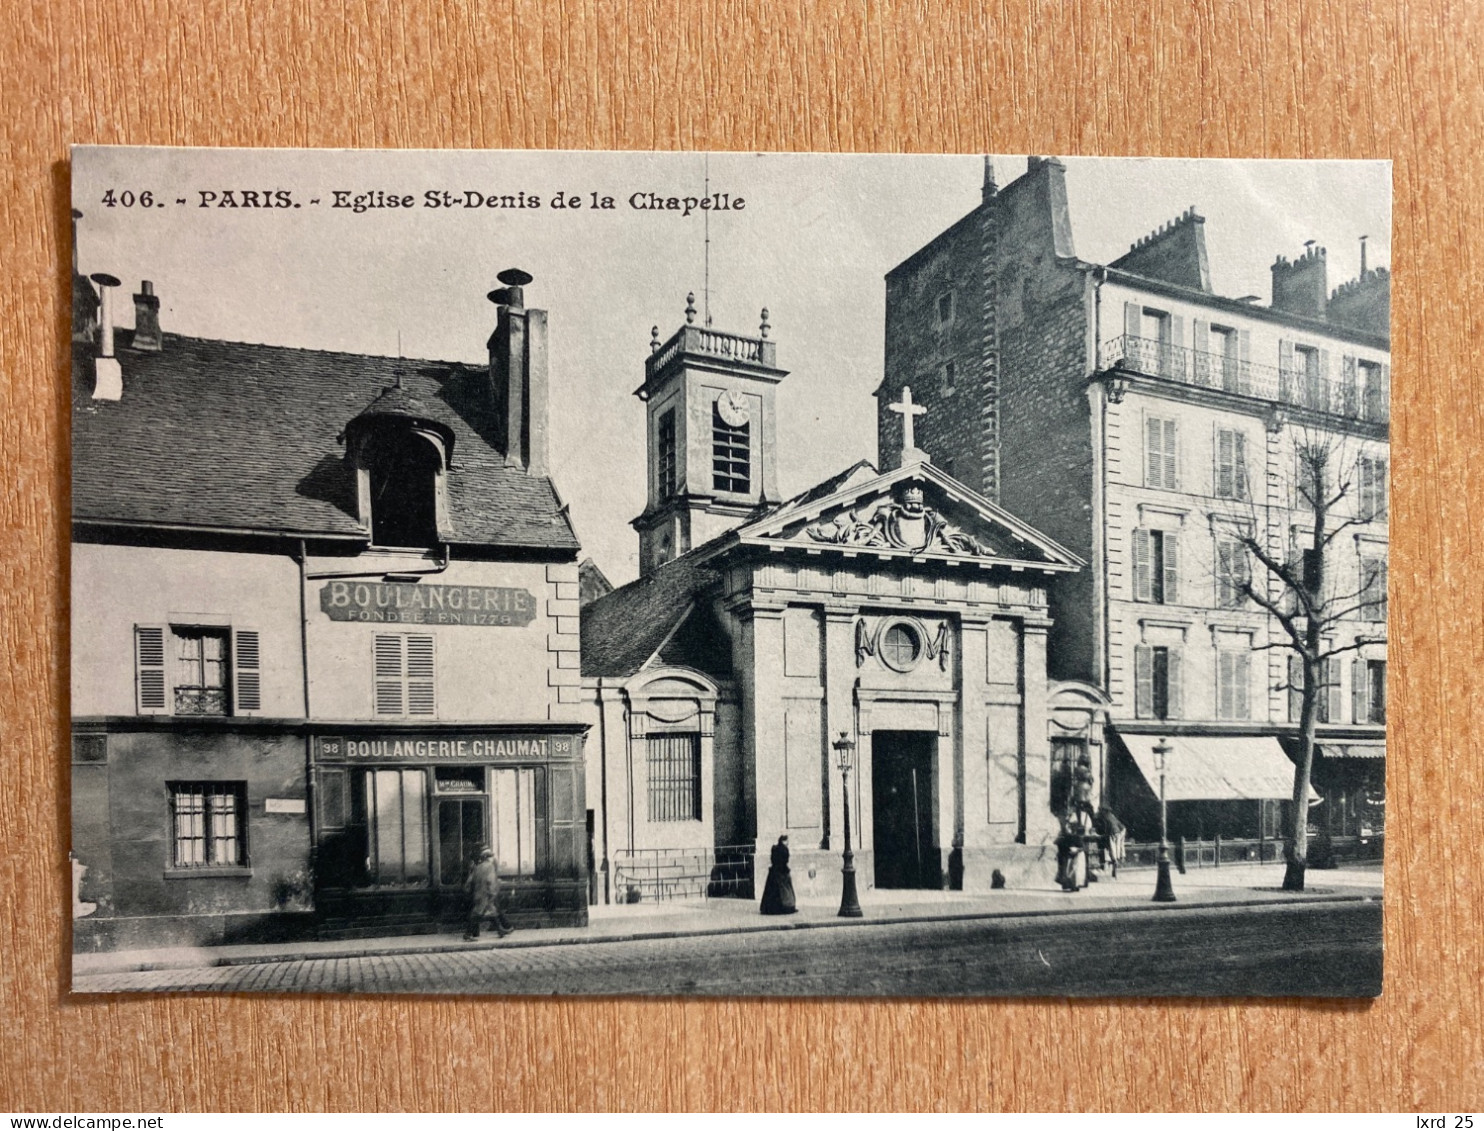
(1327, 949)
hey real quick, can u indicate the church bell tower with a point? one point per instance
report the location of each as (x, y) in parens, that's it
(711, 435)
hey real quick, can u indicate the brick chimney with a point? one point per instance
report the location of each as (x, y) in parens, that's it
(146, 317)
(1302, 287)
(517, 375)
(1364, 303)
(1174, 253)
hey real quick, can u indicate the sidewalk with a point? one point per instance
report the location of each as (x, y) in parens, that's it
(1238, 884)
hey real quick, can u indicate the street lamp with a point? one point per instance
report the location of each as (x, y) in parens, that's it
(850, 904)
(1164, 892)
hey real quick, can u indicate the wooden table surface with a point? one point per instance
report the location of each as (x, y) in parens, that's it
(1171, 77)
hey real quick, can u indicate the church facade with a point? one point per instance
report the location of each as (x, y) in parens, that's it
(899, 615)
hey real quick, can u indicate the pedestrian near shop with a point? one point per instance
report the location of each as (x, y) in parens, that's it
(483, 886)
(778, 892)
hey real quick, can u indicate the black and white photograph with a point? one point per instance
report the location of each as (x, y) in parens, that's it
(730, 574)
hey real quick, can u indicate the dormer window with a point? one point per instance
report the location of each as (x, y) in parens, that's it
(401, 457)
(404, 491)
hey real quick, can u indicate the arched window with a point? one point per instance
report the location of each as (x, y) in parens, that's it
(404, 482)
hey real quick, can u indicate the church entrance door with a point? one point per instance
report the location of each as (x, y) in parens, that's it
(906, 852)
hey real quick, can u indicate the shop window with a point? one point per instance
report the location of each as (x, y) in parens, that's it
(190, 670)
(731, 454)
(674, 773)
(404, 684)
(1161, 455)
(518, 809)
(665, 458)
(1157, 682)
(1157, 566)
(404, 483)
(208, 824)
(1233, 683)
(1231, 464)
(391, 805)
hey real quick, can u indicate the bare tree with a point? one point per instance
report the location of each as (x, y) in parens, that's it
(1334, 492)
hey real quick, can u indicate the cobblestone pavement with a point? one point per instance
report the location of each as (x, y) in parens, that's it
(1330, 949)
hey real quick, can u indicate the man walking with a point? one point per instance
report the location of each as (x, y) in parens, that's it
(483, 886)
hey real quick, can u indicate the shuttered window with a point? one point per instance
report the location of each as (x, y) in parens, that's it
(1157, 682)
(1233, 572)
(665, 459)
(196, 670)
(1368, 691)
(1231, 464)
(674, 766)
(405, 670)
(1331, 694)
(1233, 684)
(1160, 457)
(1373, 589)
(1156, 566)
(1370, 474)
(731, 454)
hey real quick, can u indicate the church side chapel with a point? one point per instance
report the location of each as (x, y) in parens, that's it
(899, 618)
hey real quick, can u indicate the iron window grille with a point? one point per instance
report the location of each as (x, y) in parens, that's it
(209, 824)
(674, 763)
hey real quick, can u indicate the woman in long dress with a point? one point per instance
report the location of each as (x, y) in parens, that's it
(778, 892)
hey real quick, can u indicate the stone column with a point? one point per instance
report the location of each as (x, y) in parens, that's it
(766, 738)
(839, 694)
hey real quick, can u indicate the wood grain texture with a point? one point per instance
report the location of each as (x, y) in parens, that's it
(1269, 78)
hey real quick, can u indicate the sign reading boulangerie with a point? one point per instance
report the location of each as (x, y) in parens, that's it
(423, 747)
(382, 602)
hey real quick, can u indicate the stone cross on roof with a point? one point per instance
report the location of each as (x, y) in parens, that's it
(911, 453)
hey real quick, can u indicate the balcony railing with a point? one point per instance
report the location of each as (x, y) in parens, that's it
(1354, 399)
(715, 343)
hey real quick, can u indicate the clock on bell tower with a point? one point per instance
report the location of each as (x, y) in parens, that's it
(711, 435)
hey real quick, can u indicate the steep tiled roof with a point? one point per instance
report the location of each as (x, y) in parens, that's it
(622, 630)
(244, 436)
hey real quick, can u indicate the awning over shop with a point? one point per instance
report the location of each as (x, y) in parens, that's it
(1207, 768)
(1354, 750)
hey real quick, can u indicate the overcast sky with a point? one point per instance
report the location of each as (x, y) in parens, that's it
(812, 243)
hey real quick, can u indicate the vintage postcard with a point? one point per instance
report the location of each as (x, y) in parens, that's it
(542, 572)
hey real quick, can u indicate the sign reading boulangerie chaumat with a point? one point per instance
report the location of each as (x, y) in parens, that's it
(384, 602)
(769, 482)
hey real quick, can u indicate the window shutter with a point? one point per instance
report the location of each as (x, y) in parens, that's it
(1360, 692)
(1242, 684)
(247, 693)
(1133, 324)
(1349, 385)
(1239, 464)
(1244, 355)
(1143, 575)
(420, 700)
(1295, 687)
(1200, 344)
(1143, 681)
(1225, 463)
(389, 680)
(1223, 685)
(1154, 463)
(1171, 567)
(1322, 396)
(1173, 696)
(149, 669)
(1285, 370)
(1334, 693)
(1175, 366)
(1171, 482)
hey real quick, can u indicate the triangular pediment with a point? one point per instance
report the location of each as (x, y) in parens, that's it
(915, 511)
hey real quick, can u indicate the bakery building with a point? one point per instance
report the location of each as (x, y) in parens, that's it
(325, 635)
(898, 611)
